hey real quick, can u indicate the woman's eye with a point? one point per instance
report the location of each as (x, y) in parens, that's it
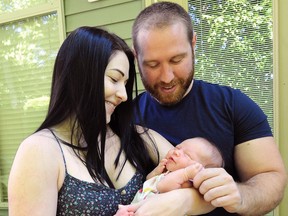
(113, 79)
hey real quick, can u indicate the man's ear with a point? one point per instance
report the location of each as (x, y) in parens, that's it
(134, 51)
(194, 39)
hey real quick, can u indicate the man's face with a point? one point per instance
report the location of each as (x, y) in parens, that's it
(166, 62)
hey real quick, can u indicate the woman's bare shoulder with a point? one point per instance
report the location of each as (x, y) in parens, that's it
(38, 154)
(34, 174)
(40, 145)
(41, 138)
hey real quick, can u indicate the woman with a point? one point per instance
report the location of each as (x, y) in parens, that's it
(87, 156)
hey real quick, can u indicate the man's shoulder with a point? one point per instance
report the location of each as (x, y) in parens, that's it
(208, 89)
(143, 97)
(206, 84)
(142, 94)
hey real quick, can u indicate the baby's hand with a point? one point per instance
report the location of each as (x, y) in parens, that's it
(192, 170)
(161, 166)
(159, 169)
(123, 211)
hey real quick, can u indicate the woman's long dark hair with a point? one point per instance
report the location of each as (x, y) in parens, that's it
(78, 91)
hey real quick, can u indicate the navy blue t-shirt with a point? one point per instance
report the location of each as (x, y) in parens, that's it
(221, 114)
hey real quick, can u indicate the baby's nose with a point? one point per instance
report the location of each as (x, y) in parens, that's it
(177, 152)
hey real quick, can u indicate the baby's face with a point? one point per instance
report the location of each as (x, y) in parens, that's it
(183, 155)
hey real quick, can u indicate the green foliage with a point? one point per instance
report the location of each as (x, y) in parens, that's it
(7, 6)
(234, 46)
(27, 54)
(27, 61)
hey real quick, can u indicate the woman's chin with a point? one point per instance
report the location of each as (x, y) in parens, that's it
(108, 119)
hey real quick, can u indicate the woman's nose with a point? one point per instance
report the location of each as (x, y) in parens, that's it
(121, 93)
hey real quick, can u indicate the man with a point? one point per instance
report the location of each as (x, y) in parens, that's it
(180, 107)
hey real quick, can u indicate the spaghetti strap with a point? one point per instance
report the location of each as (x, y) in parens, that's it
(60, 149)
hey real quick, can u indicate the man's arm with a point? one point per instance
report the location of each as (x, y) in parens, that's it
(262, 174)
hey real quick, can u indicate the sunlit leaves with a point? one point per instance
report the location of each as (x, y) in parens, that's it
(28, 50)
(234, 46)
(7, 6)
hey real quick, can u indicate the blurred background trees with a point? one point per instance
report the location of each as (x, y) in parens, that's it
(235, 46)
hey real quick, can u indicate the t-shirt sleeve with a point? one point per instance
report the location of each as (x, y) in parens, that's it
(250, 122)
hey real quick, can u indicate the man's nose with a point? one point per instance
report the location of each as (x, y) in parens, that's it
(167, 74)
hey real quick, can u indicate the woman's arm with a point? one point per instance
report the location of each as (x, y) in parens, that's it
(32, 186)
(189, 202)
(161, 143)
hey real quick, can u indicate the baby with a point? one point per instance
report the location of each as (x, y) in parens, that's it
(178, 169)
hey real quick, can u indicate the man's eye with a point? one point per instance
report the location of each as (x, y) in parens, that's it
(152, 65)
(176, 61)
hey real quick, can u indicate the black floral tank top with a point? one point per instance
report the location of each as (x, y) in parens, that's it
(78, 197)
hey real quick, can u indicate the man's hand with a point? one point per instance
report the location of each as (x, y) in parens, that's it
(218, 188)
(262, 181)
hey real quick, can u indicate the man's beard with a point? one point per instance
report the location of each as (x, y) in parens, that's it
(173, 98)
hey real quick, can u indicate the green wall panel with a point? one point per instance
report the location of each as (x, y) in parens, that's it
(122, 29)
(74, 7)
(103, 16)
(3, 212)
(114, 15)
(283, 89)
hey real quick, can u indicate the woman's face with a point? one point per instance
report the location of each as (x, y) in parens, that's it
(116, 76)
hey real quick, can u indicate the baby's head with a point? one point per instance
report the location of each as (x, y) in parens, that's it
(192, 150)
